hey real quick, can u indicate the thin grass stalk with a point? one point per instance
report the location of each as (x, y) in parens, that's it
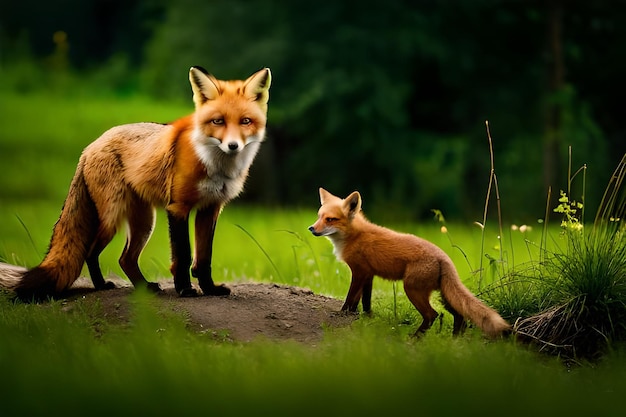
(493, 181)
(395, 302)
(610, 206)
(582, 197)
(455, 246)
(512, 250)
(30, 236)
(544, 232)
(295, 261)
(269, 258)
(500, 235)
(570, 180)
(308, 244)
(482, 236)
(497, 189)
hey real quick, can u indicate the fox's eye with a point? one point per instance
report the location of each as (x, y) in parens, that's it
(331, 219)
(217, 122)
(245, 121)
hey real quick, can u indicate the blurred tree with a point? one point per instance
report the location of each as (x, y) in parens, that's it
(556, 83)
(391, 98)
(95, 29)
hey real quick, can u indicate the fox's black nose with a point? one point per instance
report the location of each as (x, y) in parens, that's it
(312, 230)
(233, 146)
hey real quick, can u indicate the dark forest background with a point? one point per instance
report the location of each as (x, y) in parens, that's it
(389, 98)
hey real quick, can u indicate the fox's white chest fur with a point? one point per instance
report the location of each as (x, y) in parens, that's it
(226, 172)
(339, 244)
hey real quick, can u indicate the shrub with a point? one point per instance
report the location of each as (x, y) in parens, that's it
(584, 289)
(572, 302)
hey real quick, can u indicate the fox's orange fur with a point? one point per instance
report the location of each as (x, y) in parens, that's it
(371, 250)
(200, 161)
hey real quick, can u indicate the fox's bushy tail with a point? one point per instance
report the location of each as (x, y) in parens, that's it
(457, 296)
(70, 244)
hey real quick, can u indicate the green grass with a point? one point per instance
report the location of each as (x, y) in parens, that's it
(42, 136)
(59, 362)
(56, 361)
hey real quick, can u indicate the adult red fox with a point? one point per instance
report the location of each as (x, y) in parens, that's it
(199, 161)
(370, 250)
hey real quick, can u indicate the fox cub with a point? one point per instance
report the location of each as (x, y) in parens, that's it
(369, 250)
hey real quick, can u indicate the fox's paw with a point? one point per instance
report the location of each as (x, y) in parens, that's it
(188, 292)
(153, 287)
(216, 290)
(106, 285)
(345, 313)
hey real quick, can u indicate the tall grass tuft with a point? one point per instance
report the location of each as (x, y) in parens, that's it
(572, 302)
(584, 291)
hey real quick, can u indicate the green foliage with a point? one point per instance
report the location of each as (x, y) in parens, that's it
(155, 365)
(389, 101)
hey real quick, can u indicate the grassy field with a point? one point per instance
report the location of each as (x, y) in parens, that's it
(56, 362)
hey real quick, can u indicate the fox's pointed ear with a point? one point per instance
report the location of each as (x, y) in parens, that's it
(325, 196)
(203, 85)
(257, 86)
(352, 204)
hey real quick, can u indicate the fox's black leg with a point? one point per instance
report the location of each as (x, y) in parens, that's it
(360, 289)
(353, 297)
(459, 321)
(96, 274)
(181, 255)
(367, 295)
(94, 265)
(206, 220)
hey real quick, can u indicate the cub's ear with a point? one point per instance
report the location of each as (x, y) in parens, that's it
(203, 85)
(257, 86)
(325, 196)
(352, 204)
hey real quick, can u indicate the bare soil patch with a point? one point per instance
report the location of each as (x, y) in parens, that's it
(251, 311)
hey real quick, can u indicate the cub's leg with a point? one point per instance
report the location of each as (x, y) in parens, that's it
(366, 298)
(420, 298)
(460, 324)
(360, 284)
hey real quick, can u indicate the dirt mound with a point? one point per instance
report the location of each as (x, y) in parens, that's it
(252, 310)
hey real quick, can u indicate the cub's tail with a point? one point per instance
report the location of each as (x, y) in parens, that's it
(460, 299)
(71, 241)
